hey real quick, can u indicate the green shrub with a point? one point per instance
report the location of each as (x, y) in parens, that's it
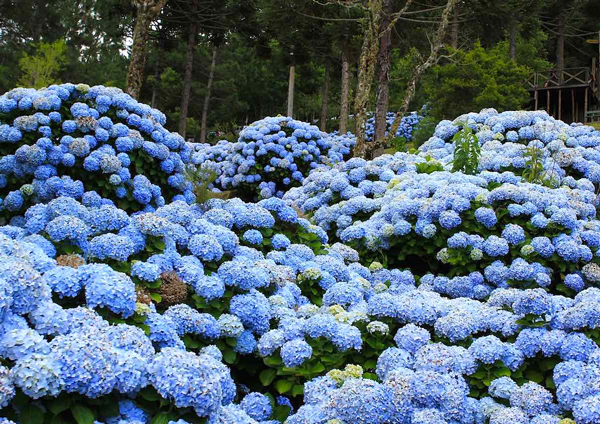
(424, 130)
(476, 79)
(466, 152)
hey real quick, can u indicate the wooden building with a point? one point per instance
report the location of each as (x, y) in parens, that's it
(570, 94)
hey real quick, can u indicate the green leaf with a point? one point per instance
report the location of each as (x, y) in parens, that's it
(229, 356)
(479, 374)
(163, 418)
(547, 364)
(156, 297)
(474, 393)
(154, 285)
(371, 364)
(149, 394)
(267, 376)
(534, 375)
(60, 404)
(108, 409)
(144, 327)
(82, 414)
(31, 414)
(272, 361)
(297, 390)
(370, 376)
(190, 342)
(317, 368)
(284, 386)
(57, 420)
(502, 372)
(281, 412)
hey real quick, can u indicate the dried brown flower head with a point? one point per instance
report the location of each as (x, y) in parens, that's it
(172, 290)
(73, 260)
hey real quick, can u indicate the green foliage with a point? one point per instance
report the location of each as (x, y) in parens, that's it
(534, 171)
(534, 167)
(531, 52)
(466, 151)
(399, 144)
(201, 178)
(476, 79)
(326, 357)
(424, 130)
(428, 167)
(223, 131)
(400, 73)
(82, 414)
(41, 69)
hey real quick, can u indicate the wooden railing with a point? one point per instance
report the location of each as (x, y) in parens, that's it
(559, 78)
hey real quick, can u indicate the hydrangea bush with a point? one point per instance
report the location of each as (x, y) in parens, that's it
(511, 141)
(413, 295)
(84, 271)
(407, 124)
(493, 240)
(69, 140)
(271, 156)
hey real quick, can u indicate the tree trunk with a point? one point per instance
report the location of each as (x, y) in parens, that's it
(411, 88)
(187, 78)
(345, 96)
(512, 39)
(36, 27)
(156, 81)
(290, 101)
(560, 46)
(325, 97)
(382, 97)
(147, 10)
(157, 66)
(454, 30)
(368, 63)
(211, 76)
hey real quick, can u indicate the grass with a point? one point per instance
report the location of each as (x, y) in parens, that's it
(594, 124)
(392, 150)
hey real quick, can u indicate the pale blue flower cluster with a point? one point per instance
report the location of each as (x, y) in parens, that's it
(406, 128)
(512, 232)
(567, 153)
(525, 254)
(54, 350)
(190, 233)
(271, 156)
(122, 144)
(471, 298)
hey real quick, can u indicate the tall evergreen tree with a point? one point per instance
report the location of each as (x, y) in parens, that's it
(147, 11)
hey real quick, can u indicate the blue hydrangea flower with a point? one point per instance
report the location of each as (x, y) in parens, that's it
(295, 352)
(257, 406)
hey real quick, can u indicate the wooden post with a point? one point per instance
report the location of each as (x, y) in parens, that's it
(211, 77)
(290, 102)
(559, 103)
(325, 97)
(573, 117)
(535, 95)
(548, 101)
(585, 106)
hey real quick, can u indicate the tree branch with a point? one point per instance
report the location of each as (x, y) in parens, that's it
(418, 71)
